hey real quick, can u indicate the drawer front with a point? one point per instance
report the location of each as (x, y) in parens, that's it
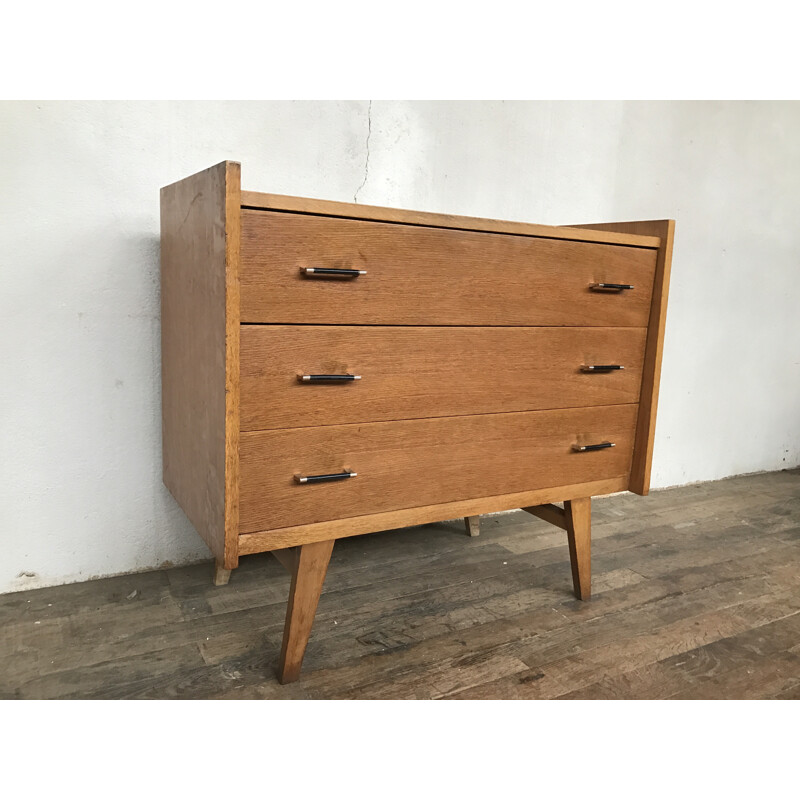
(433, 276)
(413, 372)
(424, 462)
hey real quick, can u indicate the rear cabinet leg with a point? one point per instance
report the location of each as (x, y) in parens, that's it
(221, 575)
(308, 565)
(473, 525)
(578, 518)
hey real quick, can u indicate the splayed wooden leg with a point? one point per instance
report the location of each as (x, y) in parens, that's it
(221, 575)
(308, 565)
(473, 525)
(578, 516)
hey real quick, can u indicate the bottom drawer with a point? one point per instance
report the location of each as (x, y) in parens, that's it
(410, 463)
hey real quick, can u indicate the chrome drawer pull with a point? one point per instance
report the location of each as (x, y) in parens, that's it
(609, 287)
(337, 476)
(341, 273)
(600, 367)
(327, 378)
(582, 448)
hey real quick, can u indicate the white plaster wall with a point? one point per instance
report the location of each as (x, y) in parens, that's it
(80, 475)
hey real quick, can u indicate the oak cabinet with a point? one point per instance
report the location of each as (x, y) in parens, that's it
(331, 369)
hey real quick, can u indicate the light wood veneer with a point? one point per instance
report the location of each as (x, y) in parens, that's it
(402, 464)
(432, 276)
(413, 372)
(469, 337)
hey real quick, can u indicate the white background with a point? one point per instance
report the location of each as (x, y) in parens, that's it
(80, 482)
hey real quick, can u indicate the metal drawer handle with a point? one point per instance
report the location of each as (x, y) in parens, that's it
(327, 378)
(582, 448)
(337, 476)
(600, 367)
(609, 287)
(341, 273)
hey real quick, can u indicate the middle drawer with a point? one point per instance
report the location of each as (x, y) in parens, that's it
(418, 372)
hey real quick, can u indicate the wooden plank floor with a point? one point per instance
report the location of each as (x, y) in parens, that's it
(696, 595)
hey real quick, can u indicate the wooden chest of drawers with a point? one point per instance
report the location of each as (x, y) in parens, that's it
(332, 369)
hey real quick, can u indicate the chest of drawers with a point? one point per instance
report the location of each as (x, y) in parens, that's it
(331, 369)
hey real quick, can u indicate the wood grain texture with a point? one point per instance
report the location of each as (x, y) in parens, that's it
(199, 352)
(433, 276)
(328, 208)
(233, 237)
(261, 541)
(424, 462)
(414, 372)
(693, 594)
(578, 516)
(310, 567)
(651, 374)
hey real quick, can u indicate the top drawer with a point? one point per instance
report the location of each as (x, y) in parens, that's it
(433, 276)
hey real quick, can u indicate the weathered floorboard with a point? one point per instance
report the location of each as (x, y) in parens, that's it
(696, 594)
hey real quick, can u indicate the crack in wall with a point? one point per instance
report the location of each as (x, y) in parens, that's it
(366, 163)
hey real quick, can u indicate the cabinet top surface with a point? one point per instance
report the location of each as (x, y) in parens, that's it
(300, 205)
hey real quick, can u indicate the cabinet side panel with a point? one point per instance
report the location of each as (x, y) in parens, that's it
(233, 238)
(651, 374)
(196, 350)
